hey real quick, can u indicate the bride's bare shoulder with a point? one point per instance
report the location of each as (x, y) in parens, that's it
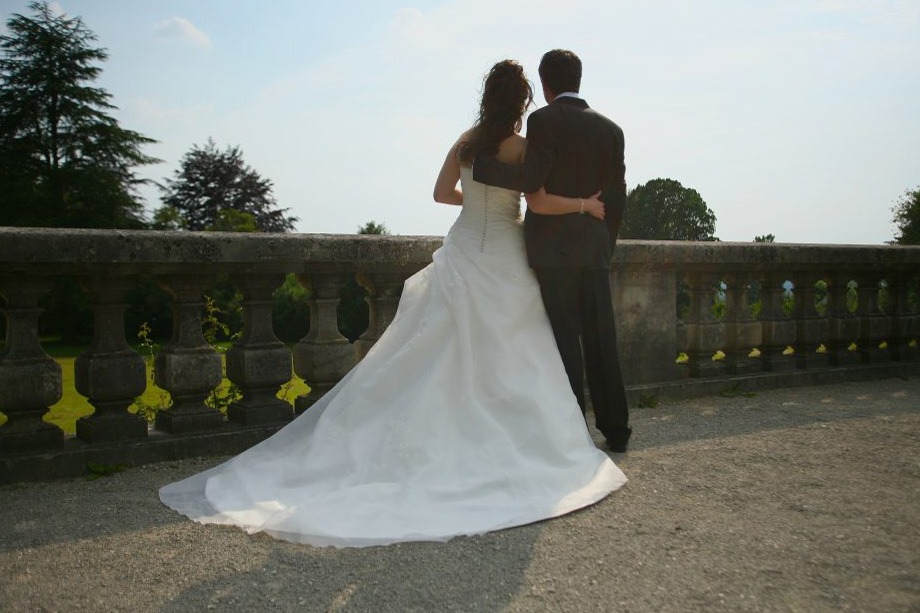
(465, 137)
(511, 150)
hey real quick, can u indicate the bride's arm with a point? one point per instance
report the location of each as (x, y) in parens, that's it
(551, 204)
(445, 188)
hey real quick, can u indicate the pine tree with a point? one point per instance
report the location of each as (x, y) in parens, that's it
(211, 183)
(64, 161)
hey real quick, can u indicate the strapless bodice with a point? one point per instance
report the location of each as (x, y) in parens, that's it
(491, 216)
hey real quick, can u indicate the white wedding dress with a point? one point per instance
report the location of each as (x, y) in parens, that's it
(459, 421)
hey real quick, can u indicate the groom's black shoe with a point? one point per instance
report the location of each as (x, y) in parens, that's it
(617, 438)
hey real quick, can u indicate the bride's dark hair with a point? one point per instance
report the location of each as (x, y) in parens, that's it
(506, 94)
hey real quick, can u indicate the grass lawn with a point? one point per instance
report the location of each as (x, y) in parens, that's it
(72, 405)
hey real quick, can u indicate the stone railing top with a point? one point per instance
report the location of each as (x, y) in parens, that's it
(75, 251)
(631, 254)
(133, 251)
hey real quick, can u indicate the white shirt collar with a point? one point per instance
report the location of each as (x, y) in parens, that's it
(568, 95)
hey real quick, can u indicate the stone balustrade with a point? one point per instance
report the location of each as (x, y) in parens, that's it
(691, 318)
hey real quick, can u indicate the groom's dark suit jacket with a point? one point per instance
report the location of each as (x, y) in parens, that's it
(572, 150)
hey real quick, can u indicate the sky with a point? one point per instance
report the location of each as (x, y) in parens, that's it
(798, 118)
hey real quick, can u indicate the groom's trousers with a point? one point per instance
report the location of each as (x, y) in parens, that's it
(579, 305)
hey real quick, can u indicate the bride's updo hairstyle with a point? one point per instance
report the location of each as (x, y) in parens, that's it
(506, 94)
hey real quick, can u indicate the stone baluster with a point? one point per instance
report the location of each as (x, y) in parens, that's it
(844, 325)
(778, 327)
(383, 299)
(906, 321)
(187, 367)
(811, 326)
(742, 332)
(875, 323)
(323, 356)
(30, 379)
(684, 328)
(258, 362)
(110, 374)
(708, 333)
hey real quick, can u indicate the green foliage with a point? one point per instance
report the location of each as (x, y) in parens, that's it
(223, 311)
(733, 391)
(148, 349)
(907, 218)
(913, 295)
(64, 161)
(97, 469)
(372, 227)
(210, 182)
(765, 238)
(788, 298)
(353, 312)
(213, 328)
(755, 302)
(821, 297)
(884, 296)
(149, 306)
(168, 218)
(719, 303)
(663, 209)
(290, 310)
(852, 296)
(73, 406)
(229, 220)
(66, 312)
(648, 401)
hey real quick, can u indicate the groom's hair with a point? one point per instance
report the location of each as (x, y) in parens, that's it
(560, 71)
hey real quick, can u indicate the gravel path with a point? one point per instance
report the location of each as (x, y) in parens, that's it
(790, 500)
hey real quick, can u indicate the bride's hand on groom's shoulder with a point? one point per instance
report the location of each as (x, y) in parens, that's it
(594, 206)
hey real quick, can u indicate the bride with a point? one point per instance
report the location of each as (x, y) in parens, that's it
(460, 420)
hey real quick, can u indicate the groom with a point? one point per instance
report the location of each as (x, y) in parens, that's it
(572, 150)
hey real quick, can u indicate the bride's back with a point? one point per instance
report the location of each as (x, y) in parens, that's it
(490, 220)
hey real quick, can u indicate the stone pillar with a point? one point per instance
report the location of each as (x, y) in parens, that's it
(384, 290)
(684, 327)
(707, 334)
(110, 374)
(646, 321)
(187, 367)
(742, 332)
(30, 379)
(906, 321)
(875, 322)
(323, 356)
(258, 363)
(778, 326)
(811, 326)
(844, 325)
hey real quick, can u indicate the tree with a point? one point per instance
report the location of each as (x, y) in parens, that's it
(64, 161)
(765, 238)
(907, 218)
(663, 209)
(372, 227)
(210, 182)
(230, 220)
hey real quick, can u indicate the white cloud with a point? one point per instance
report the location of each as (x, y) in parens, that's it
(182, 29)
(56, 8)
